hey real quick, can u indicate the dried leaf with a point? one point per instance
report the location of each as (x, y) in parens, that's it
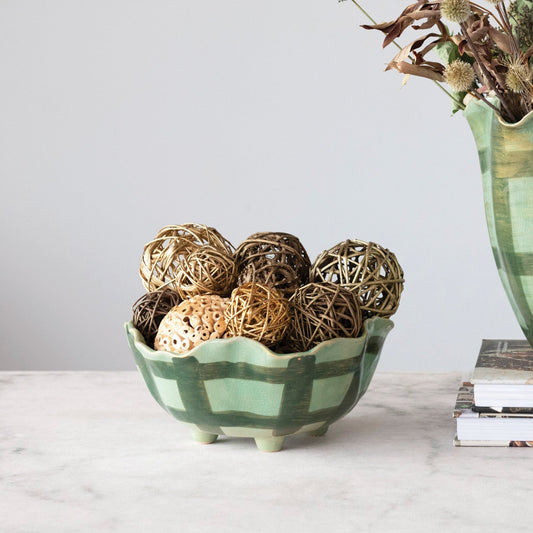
(384, 26)
(431, 21)
(502, 41)
(418, 70)
(403, 54)
(461, 46)
(479, 34)
(424, 14)
(395, 32)
(395, 28)
(432, 45)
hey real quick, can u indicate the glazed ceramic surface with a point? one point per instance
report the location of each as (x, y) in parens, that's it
(506, 158)
(238, 387)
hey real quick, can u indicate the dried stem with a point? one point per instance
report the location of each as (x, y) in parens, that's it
(507, 28)
(491, 82)
(488, 12)
(480, 96)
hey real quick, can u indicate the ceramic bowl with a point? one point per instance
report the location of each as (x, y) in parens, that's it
(239, 388)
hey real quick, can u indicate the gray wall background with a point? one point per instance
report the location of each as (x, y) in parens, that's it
(120, 117)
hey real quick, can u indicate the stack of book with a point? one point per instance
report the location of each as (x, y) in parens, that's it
(495, 408)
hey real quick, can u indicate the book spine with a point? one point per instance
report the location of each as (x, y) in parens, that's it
(493, 443)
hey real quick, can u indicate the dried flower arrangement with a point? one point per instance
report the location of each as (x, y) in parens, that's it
(489, 57)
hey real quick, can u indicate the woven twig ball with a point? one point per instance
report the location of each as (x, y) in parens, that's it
(206, 270)
(323, 311)
(258, 312)
(149, 310)
(165, 257)
(275, 259)
(192, 322)
(368, 269)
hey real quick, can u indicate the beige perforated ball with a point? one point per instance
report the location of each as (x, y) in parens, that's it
(192, 322)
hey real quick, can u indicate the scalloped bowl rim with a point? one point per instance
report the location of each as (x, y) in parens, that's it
(374, 323)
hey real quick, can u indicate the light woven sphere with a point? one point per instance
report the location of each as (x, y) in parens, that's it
(192, 322)
(206, 270)
(322, 311)
(149, 310)
(165, 258)
(258, 312)
(367, 269)
(275, 259)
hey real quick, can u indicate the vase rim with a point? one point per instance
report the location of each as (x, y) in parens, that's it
(516, 125)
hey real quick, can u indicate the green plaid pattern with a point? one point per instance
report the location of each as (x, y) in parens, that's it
(238, 387)
(506, 158)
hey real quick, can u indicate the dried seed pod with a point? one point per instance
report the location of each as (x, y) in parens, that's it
(149, 310)
(367, 269)
(258, 312)
(322, 311)
(191, 323)
(275, 259)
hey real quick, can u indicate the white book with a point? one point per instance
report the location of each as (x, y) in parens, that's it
(474, 428)
(503, 375)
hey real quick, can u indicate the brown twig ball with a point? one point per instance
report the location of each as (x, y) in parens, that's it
(192, 322)
(366, 268)
(149, 310)
(164, 256)
(258, 312)
(275, 259)
(323, 311)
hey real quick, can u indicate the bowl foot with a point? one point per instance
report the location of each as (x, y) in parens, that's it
(202, 437)
(269, 444)
(320, 432)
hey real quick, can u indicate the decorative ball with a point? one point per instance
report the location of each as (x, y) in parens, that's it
(164, 257)
(368, 269)
(149, 310)
(258, 312)
(323, 311)
(275, 259)
(192, 322)
(206, 270)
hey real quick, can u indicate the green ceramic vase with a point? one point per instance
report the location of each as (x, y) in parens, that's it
(239, 388)
(506, 158)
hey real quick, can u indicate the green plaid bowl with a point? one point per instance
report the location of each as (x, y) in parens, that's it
(240, 388)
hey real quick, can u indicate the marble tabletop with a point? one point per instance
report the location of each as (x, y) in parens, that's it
(92, 451)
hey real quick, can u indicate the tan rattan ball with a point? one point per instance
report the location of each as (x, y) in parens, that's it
(165, 257)
(322, 311)
(192, 322)
(368, 269)
(206, 270)
(275, 259)
(149, 310)
(258, 312)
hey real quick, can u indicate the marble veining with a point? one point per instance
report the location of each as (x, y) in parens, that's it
(92, 451)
